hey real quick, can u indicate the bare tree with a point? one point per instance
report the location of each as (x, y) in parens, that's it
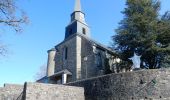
(3, 49)
(41, 73)
(11, 16)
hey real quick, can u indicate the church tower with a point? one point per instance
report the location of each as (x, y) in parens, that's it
(77, 23)
(77, 56)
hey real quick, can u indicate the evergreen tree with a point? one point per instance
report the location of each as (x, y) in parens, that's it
(163, 40)
(143, 32)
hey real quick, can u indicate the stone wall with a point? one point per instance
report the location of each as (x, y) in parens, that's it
(11, 92)
(139, 85)
(39, 91)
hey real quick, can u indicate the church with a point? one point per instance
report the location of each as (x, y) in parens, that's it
(78, 56)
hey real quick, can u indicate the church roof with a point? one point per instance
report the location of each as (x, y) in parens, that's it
(99, 45)
(52, 49)
(65, 71)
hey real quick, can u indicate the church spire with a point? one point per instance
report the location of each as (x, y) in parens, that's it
(77, 13)
(77, 5)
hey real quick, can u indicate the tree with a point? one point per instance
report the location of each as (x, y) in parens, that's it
(3, 49)
(11, 16)
(142, 31)
(163, 39)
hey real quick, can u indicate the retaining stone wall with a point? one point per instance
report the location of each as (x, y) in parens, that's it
(11, 92)
(39, 91)
(139, 85)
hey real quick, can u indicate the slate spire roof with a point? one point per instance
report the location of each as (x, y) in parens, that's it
(77, 5)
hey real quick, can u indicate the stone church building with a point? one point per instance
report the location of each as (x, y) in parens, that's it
(78, 56)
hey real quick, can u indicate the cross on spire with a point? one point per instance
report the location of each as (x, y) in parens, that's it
(77, 5)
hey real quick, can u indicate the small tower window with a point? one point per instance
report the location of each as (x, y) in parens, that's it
(84, 31)
(70, 31)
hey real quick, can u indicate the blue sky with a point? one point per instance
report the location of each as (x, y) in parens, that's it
(48, 19)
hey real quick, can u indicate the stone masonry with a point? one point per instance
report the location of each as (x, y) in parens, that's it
(70, 63)
(11, 92)
(39, 91)
(138, 85)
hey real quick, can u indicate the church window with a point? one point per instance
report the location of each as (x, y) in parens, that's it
(65, 53)
(84, 31)
(99, 60)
